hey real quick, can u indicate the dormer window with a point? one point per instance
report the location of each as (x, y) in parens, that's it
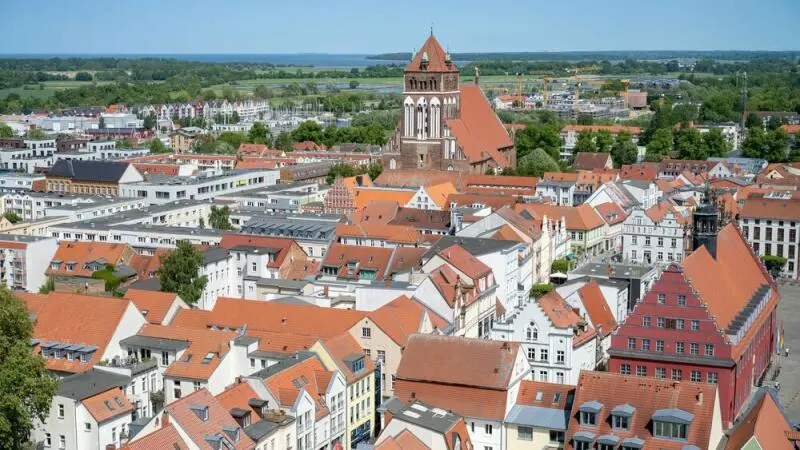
(588, 413)
(588, 418)
(621, 417)
(671, 423)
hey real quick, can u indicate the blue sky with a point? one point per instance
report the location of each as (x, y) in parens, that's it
(364, 26)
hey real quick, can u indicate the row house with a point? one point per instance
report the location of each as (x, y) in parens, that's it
(672, 168)
(614, 217)
(771, 223)
(248, 110)
(657, 235)
(711, 319)
(540, 416)
(313, 232)
(475, 311)
(270, 427)
(592, 160)
(432, 372)
(627, 194)
(91, 177)
(585, 228)
(601, 312)
(340, 198)
(432, 197)
(590, 181)
(375, 235)
(558, 343)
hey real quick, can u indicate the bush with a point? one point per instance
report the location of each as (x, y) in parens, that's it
(539, 290)
(560, 265)
(107, 274)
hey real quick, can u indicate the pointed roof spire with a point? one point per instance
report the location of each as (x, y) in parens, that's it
(436, 58)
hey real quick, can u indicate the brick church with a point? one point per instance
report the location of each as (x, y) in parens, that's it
(446, 126)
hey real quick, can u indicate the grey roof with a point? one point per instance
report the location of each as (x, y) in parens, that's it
(623, 410)
(690, 447)
(214, 254)
(264, 427)
(537, 416)
(277, 282)
(591, 406)
(620, 270)
(92, 382)
(673, 415)
(244, 341)
(282, 365)
(601, 281)
(154, 342)
(583, 436)
(421, 414)
(556, 183)
(148, 284)
(608, 439)
(633, 442)
(474, 246)
(100, 171)
(292, 300)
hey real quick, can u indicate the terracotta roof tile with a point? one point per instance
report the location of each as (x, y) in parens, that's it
(363, 196)
(582, 217)
(419, 177)
(377, 212)
(478, 131)
(341, 256)
(405, 440)
(195, 363)
(526, 227)
(431, 57)
(282, 245)
(81, 253)
(596, 307)
(92, 321)
(256, 163)
(153, 305)
(499, 181)
(343, 346)
(646, 395)
(561, 176)
(766, 424)
(402, 317)
(458, 361)
(488, 200)
(642, 172)
(464, 262)
(163, 438)
(552, 395)
(439, 193)
(237, 396)
(590, 160)
(466, 401)
(299, 270)
(281, 342)
(562, 315)
(771, 208)
(310, 375)
(405, 259)
(611, 213)
(106, 405)
(271, 316)
(725, 284)
(422, 219)
(402, 234)
(181, 411)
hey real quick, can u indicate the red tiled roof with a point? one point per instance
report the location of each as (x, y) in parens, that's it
(464, 262)
(404, 259)
(562, 315)
(202, 343)
(478, 131)
(458, 361)
(283, 245)
(343, 346)
(180, 411)
(646, 395)
(106, 405)
(561, 176)
(166, 438)
(642, 171)
(313, 378)
(725, 284)
(768, 208)
(153, 305)
(498, 181)
(364, 196)
(92, 321)
(591, 160)
(520, 224)
(402, 317)
(766, 424)
(366, 258)
(439, 193)
(611, 213)
(581, 217)
(271, 316)
(466, 401)
(662, 209)
(405, 440)
(237, 396)
(597, 308)
(82, 253)
(436, 58)
(418, 177)
(377, 211)
(402, 234)
(489, 200)
(543, 394)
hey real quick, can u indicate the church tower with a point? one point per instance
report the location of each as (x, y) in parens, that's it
(706, 225)
(430, 98)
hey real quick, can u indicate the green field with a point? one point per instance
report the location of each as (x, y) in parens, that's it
(50, 87)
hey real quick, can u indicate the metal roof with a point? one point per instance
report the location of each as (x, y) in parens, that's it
(537, 416)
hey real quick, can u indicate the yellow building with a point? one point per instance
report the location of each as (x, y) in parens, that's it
(90, 177)
(539, 417)
(182, 141)
(343, 352)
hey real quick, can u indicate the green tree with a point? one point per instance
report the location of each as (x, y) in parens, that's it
(26, 389)
(603, 140)
(12, 217)
(6, 131)
(284, 142)
(772, 146)
(560, 266)
(48, 286)
(308, 131)
(259, 134)
(205, 143)
(220, 218)
(689, 144)
(753, 120)
(774, 264)
(156, 146)
(536, 163)
(83, 76)
(149, 121)
(340, 170)
(540, 290)
(354, 84)
(624, 150)
(715, 143)
(179, 272)
(545, 137)
(261, 92)
(585, 119)
(660, 145)
(35, 134)
(232, 138)
(374, 170)
(585, 143)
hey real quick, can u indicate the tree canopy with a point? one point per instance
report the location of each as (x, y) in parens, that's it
(220, 218)
(624, 150)
(772, 145)
(156, 146)
(544, 137)
(536, 163)
(6, 131)
(26, 388)
(259, 134)
(585, 143)
(179, 272)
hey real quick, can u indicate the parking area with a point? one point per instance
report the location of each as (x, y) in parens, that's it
(789, 378)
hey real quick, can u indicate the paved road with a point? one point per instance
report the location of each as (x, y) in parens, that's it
(789, 378)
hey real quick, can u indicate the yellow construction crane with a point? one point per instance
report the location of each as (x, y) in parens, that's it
(520, 100)
(624, 93)
(547, 79)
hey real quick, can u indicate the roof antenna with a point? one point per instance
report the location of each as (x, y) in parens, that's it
(431, 28)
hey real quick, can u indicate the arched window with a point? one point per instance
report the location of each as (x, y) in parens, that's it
(532, 333)
(392, 164)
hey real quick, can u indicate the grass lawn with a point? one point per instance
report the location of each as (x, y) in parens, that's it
(50, 87)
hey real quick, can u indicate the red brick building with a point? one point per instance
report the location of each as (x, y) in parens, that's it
(710, 320)
(446, 126)
(341, 197)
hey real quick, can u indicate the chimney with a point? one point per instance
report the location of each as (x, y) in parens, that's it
(477, 76)
(699, 399)
(164, 420)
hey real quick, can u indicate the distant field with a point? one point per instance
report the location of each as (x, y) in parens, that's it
(50, 87)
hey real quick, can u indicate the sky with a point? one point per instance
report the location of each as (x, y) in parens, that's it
(376, 26)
